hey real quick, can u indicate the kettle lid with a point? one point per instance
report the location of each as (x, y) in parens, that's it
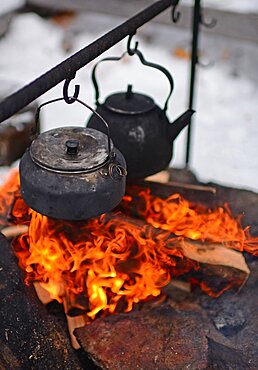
(70, 149)
(129, 102)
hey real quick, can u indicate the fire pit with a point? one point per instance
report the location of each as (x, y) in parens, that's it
(107, 272)
(166, 280)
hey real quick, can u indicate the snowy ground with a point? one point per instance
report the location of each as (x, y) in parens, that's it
(10, 5)
(241, 6)
(225, 133)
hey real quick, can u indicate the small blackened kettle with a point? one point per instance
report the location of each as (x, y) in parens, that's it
(139, 128)
(72, 173)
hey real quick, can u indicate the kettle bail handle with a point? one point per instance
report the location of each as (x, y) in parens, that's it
(94, 78)
(132, 52)
(35, 131)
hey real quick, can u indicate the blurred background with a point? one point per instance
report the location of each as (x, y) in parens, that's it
(38, 34)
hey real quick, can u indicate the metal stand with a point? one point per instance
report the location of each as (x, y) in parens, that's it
(67, 69)
(196, 21)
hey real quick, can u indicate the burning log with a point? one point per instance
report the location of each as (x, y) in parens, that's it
(157, 339)
(29, 338)
(200, 193)
(240, 201)
(213, 266)
(74, 317)
(73, 323)
(12, 231)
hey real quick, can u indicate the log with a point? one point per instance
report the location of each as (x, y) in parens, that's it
(213, 266)
(43, 294)
(73, 323)
(157, 339)
(195, 193)
(161, 177)
(29, 337)
(74, 313)
(12, 231)
(240, 201)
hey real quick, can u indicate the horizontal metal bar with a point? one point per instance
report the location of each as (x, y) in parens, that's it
(13, 103)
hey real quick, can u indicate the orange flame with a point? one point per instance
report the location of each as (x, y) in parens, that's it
(8, 192)
(114, 260)
(177, 215)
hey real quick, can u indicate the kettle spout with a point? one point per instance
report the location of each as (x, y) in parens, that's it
(181, 122)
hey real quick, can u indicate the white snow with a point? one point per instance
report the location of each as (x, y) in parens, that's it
(225, 129)
(7, 6)
(241, 6)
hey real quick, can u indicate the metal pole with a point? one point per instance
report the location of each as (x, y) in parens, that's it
(70, 66)
(194, 60)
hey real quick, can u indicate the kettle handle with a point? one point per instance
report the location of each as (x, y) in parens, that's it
(132, 52)
(35, 131)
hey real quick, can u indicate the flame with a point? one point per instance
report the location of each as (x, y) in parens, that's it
(177, 215)
(8, 192)
(115, 261)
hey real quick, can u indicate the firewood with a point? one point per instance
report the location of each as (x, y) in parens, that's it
(182, 285)
(195, 193)
(181, 185)
(161, 177)
(43, 294)
(73, 323)
(215, 266)
(220, 268)
(12, 231)
(240, 201)
(75, 319)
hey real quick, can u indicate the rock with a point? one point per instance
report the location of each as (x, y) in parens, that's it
(29, 337)
(157, 339)
(229, 320)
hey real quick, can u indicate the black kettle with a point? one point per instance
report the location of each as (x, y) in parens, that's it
(139, 128)
(72, 173)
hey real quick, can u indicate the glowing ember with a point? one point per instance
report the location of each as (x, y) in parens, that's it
(114, 260)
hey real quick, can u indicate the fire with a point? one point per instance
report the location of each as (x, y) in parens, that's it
(116, 261)
(8, 192)
(176, 215)
(112, 261)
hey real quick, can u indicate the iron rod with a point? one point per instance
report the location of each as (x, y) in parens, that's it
(13, 103)
(194, 60)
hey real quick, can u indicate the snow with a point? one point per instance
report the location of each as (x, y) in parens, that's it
(225, 128)
(241, 6)
(10, 5)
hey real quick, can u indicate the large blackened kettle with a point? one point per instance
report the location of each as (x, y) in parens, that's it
(72, 173)
(139, 128)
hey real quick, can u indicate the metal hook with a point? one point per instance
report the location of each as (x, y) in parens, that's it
(131, 51)
(175, 13)
(70, 99)
(210, 23)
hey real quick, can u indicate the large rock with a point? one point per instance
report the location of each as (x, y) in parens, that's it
(29, 337)
(157, 339)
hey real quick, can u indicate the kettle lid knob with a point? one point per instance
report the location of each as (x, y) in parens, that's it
(129, 92)
(72, 146)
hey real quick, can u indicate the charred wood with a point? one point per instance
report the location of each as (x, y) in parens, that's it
(195, 193)
(212, 265)
(241, 202)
